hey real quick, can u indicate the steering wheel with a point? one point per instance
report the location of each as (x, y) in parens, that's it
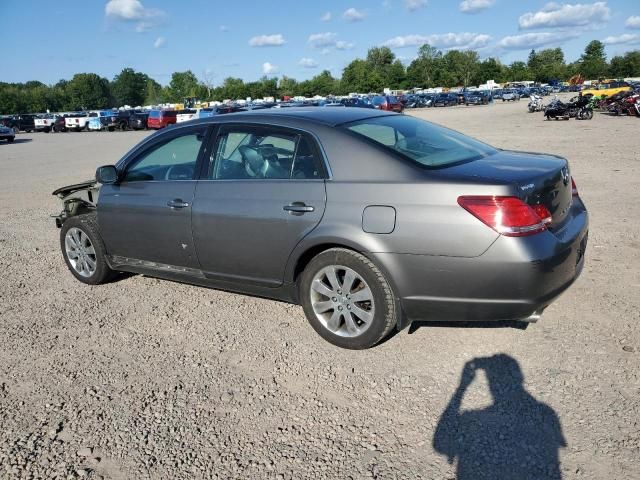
(179, 172)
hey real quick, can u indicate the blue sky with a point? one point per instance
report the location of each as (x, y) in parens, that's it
(51, 40)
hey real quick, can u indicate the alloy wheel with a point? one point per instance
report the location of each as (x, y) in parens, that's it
(80, 252)
(342, 301)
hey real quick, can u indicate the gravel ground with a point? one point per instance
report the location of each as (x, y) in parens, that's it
(144, 378)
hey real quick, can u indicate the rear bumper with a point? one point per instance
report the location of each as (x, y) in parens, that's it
(6, 136)
(515, 279)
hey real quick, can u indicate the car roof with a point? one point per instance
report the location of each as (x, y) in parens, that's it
(325, 116)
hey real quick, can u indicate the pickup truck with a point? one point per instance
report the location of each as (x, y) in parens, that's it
(102, 120)
(49, 123)
(187, 114)
(19, 123)
(77, 121)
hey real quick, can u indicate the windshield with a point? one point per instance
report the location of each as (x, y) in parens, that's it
(422, 142)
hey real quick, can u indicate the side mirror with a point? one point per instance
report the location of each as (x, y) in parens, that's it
(107, 174)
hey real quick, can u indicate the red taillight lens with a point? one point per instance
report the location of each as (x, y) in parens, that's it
(508, 216)
(574, 188)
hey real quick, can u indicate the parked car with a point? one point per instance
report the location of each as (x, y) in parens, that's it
(138, 121)
(356, 102)
(387, 103)
(23, 122)
(608, 89)
(46, 123)
(102, 120)
(77, 121)
(476, 98)
(368, 219)
(7, 133)
(161, 118)
(445, 100)
(185, 115)
(510, 95)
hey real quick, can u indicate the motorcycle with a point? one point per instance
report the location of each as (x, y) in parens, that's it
(535, 103)
(578, 109)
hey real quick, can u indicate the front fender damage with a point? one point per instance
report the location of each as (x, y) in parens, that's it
(76, 199)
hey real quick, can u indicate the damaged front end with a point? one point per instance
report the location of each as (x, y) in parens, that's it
(76, 199)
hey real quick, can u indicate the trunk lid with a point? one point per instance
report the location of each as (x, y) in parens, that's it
(539, 178)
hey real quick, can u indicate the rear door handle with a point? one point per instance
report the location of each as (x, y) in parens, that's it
(177, 203)
(298, 208)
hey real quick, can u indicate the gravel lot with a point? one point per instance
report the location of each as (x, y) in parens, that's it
(145, 378)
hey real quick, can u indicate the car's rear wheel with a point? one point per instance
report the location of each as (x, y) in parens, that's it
(347, 299)
(10, 139)
(83, 250)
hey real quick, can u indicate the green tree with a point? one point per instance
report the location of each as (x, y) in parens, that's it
(593, 62)
(182, 85)
(547, 65)
(462, 66)
(426, 68)
(490, 69)
(152, 92)
(129, 87)
(627, 65)
(287, 86)
(518, 71)
(87, 91)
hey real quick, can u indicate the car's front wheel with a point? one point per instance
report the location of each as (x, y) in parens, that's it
(347, 299)
(83, 250)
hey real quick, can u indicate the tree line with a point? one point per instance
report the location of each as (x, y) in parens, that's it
(380, 69)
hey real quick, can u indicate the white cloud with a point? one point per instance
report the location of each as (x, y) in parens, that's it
(413, 5)
(308, 63)
(274, 40)
(322, 39)
(475, 6)
(134, 12)
(353, 15)
(160, 42)
(554, 15)
(224, 28)
(342, 45)
(532, 40)
(633, 22)
(325, 51)
(626, 38)
(268, 68)
(326, 17)
(442, 40)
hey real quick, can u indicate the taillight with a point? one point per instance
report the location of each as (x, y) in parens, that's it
(508, 216)
(574, 188)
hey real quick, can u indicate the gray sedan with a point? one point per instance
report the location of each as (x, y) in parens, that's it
(368, 219)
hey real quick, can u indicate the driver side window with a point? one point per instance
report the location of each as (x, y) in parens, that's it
(172, 160)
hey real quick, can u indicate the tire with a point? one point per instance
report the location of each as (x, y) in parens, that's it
(88, 228)
(10, 139)
(316, 289)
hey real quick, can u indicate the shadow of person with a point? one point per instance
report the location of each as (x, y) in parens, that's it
(517, 437)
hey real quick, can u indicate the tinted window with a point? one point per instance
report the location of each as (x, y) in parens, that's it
(174, 159)
(245, 154)
(422, 142)
(154, 114)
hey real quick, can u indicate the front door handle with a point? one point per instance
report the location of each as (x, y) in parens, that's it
(298, 208)
(177, 203)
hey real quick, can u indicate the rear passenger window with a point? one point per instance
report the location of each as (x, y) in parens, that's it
(256, 154)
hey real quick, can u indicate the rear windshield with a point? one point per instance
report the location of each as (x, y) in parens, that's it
(422, 142)
(154, 114)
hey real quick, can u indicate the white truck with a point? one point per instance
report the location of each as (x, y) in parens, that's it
(46, 123)
(77, 121)
(187, 114)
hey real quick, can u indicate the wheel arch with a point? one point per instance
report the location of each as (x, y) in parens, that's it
(302, 255)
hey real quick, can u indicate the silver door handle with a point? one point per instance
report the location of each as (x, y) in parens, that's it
(297, 207)
(177, 203)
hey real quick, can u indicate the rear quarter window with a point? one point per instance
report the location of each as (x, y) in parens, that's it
(423, 143)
